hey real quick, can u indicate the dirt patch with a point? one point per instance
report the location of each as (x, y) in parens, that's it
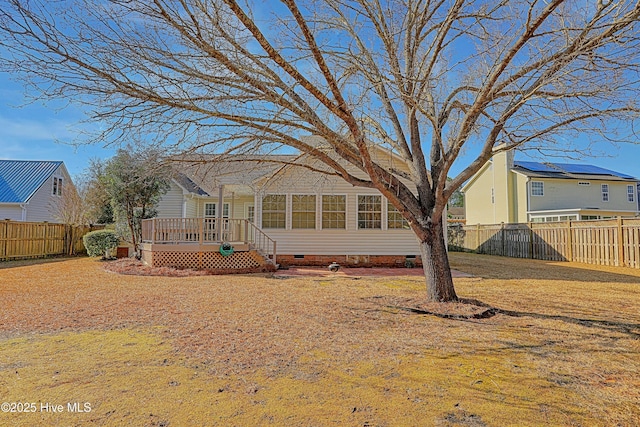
(135, 267)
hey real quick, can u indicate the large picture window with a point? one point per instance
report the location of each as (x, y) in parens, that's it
(303, 211)
(334, 212)
(369, 212)
(395, 220)
(274, 208)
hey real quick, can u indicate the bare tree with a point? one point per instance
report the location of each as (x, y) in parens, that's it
(425, 79)
(72, 210)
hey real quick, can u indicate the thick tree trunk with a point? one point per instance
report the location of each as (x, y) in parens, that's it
(435, 261)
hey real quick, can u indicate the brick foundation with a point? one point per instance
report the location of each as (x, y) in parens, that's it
(349, 260)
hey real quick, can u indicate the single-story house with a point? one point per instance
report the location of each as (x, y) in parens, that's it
(309, 217)
(29, 189)
(512, 191)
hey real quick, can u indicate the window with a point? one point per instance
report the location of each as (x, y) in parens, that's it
(369, 212)
(395, 220)
(303, 211)
(605, 192)
(537, 188)
(631, 193)
(334, 212)
(589, 217)
(584, 183)
(251, 213)
(211, 212)
(57, 186)
(493, 196)
(274, 211)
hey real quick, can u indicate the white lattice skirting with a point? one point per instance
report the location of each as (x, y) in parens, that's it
(210, 259)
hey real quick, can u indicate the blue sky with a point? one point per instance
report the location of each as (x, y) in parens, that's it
(46, 131)
(42, 131)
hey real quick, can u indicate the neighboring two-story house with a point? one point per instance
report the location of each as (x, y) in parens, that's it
(512, 191)
(29, 189)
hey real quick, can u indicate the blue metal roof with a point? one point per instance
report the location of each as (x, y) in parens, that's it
(19, 179)
(571, 168)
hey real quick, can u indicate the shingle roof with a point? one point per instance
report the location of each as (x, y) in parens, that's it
(19, 179)
(568, 170)
(189, 185)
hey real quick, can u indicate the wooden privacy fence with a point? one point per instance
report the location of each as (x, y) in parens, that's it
(605, 242)
(39, 239)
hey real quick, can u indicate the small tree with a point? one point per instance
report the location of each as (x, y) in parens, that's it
(101, 243)
(96, 197)
(134, 182)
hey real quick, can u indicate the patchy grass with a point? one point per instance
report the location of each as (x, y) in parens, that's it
(561, 347)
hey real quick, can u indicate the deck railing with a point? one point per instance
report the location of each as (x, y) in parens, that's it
(207, 231)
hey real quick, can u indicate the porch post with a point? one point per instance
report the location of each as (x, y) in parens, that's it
(219, 212)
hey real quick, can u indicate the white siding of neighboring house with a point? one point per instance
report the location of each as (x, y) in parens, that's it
(12, 212)
(563, 194)
(351, 241)
(42, 204)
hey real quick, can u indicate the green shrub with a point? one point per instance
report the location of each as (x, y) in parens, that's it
(100, 242)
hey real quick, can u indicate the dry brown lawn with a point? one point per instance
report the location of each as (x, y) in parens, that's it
(559, 346)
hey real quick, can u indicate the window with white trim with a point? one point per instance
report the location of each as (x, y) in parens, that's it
(631, 193)
(334, 209)
(210, 210)
(274, 209)
(369, 212)
(395, 220)
(57, 186)
(303, 211)
(537, 188)
(605, 192)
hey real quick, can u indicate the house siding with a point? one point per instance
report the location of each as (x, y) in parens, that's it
(565, 194)
(478, 194)
(41, 205)
(350, 241)
(12, 212)
(521, 196)
(170, 206)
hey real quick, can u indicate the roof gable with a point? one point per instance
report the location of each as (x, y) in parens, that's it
(567, 170)
(19, 179)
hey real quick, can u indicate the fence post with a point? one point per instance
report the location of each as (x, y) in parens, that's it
(502, 237)
(6, 238)
(45, 250)
(530, 226)
(620, 242)
(477, 237)
(569, 242)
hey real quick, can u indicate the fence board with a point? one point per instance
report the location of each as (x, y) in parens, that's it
(612, 242)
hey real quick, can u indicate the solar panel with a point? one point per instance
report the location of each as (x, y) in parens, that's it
(569, 168)
(535, 166)
(590, 170)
